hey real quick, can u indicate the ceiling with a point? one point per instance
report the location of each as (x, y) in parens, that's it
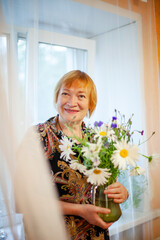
(63, 16)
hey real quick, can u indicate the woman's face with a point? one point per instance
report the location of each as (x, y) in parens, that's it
(72, 104)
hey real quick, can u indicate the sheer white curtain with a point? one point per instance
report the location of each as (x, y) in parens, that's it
(115, 42)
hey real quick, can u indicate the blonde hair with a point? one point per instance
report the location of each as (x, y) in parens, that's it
(81, 79)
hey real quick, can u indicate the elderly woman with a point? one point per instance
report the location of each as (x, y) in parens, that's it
(75, 97)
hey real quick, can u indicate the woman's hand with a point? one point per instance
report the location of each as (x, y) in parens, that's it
(87, 211)
(90, 214)
(117, 191)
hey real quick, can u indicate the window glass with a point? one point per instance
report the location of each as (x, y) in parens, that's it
(54, 62)
(22, 77)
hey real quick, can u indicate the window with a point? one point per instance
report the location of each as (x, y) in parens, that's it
(42, 63)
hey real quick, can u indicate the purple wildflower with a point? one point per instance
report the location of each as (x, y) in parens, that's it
(95, 123)
(113, 125)
(114, 118)
(142, 132)
(98, 124)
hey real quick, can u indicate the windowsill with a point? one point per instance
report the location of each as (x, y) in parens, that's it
(131, 219)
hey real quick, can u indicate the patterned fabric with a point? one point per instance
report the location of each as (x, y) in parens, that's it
(71, 185)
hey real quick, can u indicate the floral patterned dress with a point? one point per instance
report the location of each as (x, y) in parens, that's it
(71, 185)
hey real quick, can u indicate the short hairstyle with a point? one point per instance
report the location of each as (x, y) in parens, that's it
(81, 79)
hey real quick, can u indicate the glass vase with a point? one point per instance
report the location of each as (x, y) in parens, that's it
(100, 199)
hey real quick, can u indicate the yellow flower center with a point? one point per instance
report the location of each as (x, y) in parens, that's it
(102, 133)
(124, 153)
(67, 147)
(97, 171)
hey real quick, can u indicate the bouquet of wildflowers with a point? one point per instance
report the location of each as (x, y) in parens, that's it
(105, 151)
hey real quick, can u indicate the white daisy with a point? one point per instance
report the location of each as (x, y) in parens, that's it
(137, 171)
(77, 166)
(125, 154)
(98, 176)
(111, 135)
(91, 151)
(65, 147)
(100, 132)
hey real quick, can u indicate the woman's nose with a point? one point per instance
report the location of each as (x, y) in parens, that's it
(72, 101)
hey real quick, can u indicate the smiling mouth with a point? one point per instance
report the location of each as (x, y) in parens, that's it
(71, 110)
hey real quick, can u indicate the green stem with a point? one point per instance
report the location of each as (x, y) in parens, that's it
(147, 139)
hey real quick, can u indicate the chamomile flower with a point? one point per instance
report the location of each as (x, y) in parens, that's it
(111, 135)
(77, 166)
(125, 154)
(100, 132)
(65, 147)
(91, 151)
(137, 171)
(98, 176)
(101, 147)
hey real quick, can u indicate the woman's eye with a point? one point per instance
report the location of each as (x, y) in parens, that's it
(64, 93)
(82, 96)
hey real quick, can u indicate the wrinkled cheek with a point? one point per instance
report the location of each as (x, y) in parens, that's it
(59, 108)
